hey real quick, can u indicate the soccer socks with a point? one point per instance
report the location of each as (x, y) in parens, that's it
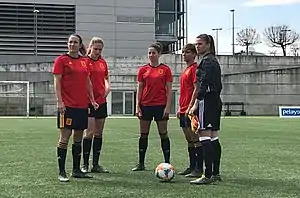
(61, 156)
(192, 156)
(218, 150)
(165, 146)
(199, 158)
(143, 144)
(76, 152)
(208, 155)
(87, 144)
(97, 145)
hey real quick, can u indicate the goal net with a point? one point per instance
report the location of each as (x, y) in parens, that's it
(14, 98)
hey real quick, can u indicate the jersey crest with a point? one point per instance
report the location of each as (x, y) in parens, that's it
(83, 63)
(160, 71)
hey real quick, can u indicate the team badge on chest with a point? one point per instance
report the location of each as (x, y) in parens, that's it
(83, 64)
(160, 71)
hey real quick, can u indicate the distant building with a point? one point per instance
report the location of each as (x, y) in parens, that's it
(250, 53)
(40, 27)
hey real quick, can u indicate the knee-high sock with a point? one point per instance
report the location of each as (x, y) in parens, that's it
(76, 152)
(218, 151)
(207, 154)
(87, 144)
(97, 146)
(143, 144)
(61, 156)
(165, 146)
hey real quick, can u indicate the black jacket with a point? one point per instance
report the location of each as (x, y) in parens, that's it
(208, 76)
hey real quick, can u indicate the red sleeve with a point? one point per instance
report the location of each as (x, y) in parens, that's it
(140, 74)
(58, 67)
(106, 70)
(169, 77)
(194, 75)
(88, 66)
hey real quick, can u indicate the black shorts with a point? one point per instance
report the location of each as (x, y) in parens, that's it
(100, 113)
(184, 121)
(156, 112)
(210, 112)
(73, 118)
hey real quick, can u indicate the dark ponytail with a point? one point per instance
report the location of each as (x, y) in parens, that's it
(212, 48)
(157, 46)
(209, 40)
(82, 48)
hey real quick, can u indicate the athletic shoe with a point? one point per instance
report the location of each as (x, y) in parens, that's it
(99, 169)
(62, 177)
(194, 174)
(185, 172)
(139, 167)
(216, 178)
(85, 168)
(201, 181)
(80, 174)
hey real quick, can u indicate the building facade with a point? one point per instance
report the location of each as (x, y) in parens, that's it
(40, 28)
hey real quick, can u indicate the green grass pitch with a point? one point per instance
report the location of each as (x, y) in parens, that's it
(261, 158)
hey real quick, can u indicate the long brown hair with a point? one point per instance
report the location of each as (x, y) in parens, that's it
(82, 48)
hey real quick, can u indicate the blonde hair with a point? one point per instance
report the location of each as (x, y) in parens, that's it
(93, 41)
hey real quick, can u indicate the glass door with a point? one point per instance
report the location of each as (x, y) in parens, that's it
(128, 103)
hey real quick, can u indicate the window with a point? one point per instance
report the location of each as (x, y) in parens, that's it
(134, 19)
(123, 18)
(117, 102)
(165, 24)
(173, 108)
(128, 103)
(165, 5)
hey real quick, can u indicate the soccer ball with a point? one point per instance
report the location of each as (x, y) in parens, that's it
(165, 172)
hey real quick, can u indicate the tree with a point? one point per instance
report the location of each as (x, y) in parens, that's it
(248, 37)
(294, 49)
(281, 36)
(273, 52)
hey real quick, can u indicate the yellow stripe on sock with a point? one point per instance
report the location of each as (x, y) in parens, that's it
(61, 120)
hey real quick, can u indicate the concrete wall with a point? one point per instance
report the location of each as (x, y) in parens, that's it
(262, 83)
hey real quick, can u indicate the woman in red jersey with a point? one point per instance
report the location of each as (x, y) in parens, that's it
(188, 94)
(101, 88)
(72, 85)
(153, 101)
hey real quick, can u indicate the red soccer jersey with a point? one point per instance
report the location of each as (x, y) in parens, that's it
(98, 74)
(154, 78)
(187, 80)
(74, 73)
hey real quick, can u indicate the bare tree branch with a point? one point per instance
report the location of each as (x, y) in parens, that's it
(273, 52)
(280, 36)
(248, 37)
(295, 49)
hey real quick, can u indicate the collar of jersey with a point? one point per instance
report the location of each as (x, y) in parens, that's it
(94, 59)
(73, 57)
(155, 67)
(192, 64)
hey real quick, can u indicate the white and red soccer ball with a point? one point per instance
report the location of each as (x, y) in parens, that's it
(165, 172)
